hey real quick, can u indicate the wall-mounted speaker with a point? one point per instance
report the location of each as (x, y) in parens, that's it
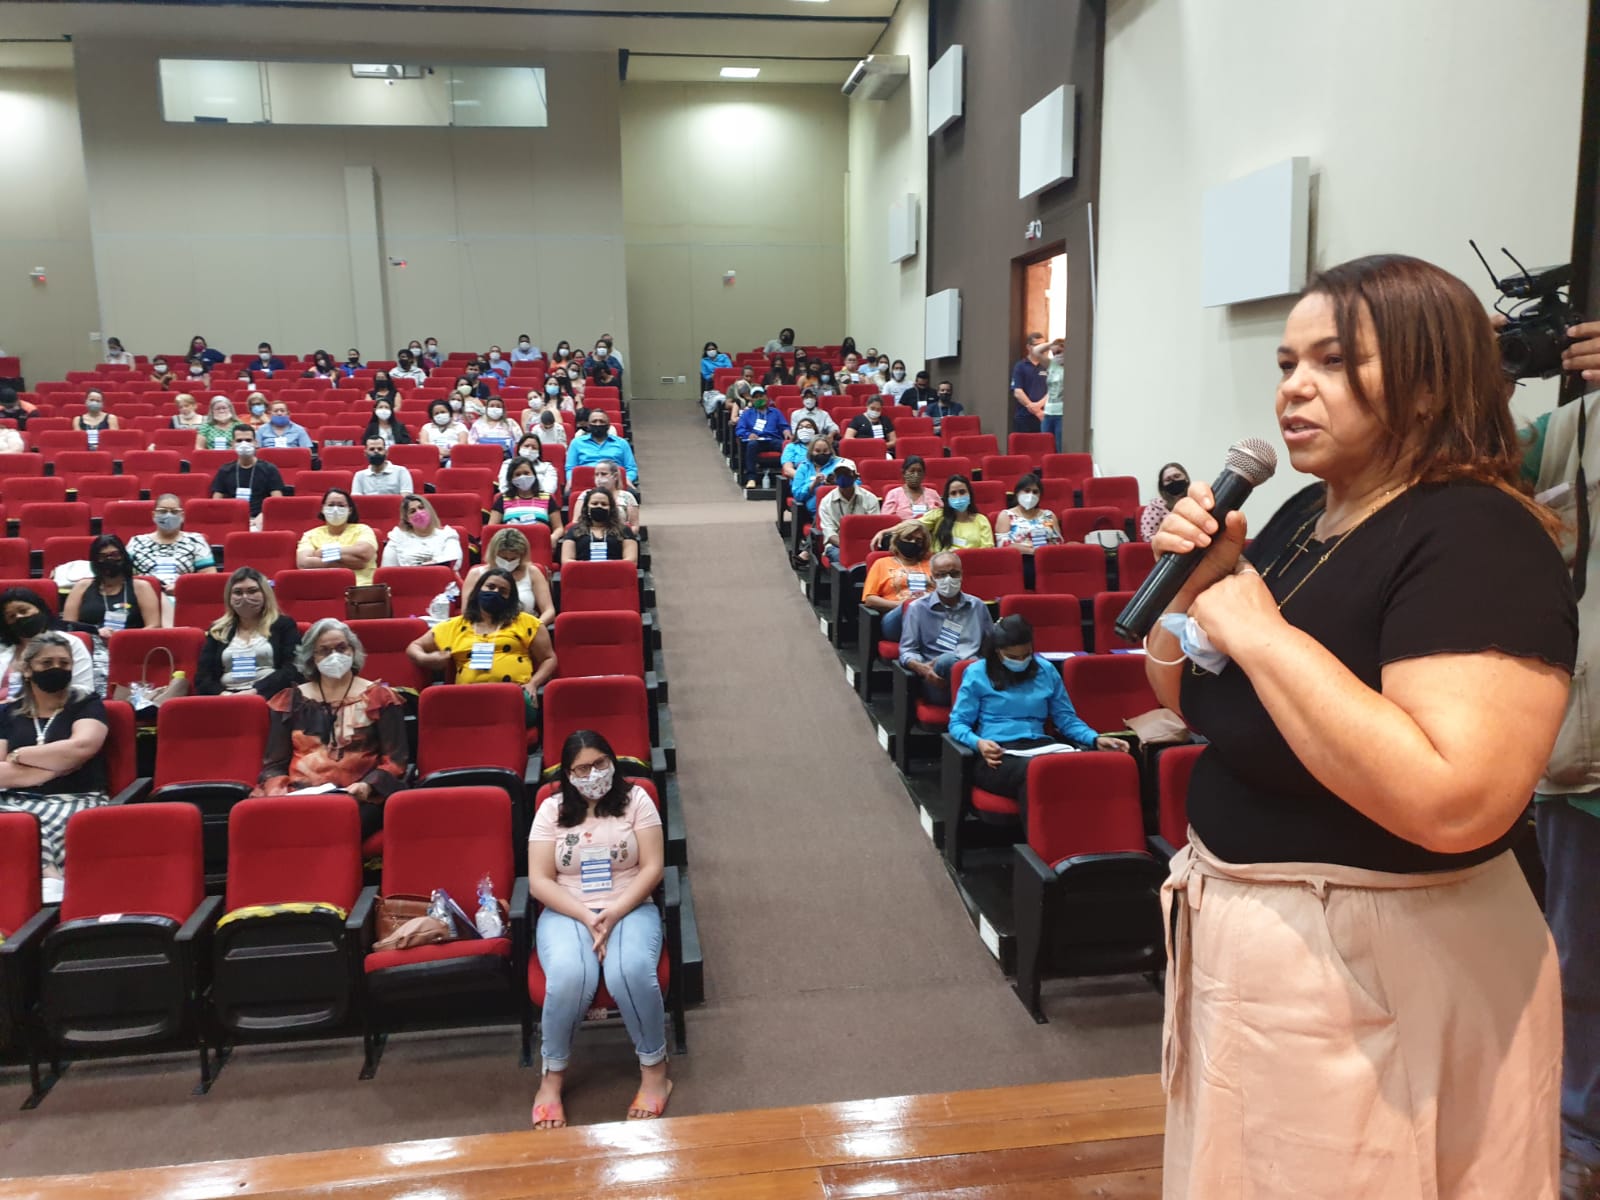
(1046, 141)
(944, 89)
(1255, 234)
(942, 324)
(903, 227)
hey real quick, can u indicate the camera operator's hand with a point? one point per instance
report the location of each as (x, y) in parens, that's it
(1584, 353)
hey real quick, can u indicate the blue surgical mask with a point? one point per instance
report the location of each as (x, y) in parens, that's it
(1016, 665)
(960, 503)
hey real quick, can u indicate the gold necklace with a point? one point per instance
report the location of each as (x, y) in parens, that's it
(1326, 554)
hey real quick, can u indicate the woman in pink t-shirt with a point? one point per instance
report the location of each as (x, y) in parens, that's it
(595, 856)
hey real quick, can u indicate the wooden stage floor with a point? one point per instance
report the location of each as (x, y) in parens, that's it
(1090, 1138)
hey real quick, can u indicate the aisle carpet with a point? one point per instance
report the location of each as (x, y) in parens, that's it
(839, 961)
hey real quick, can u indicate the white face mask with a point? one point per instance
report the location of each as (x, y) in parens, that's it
(806, 435)
(597, 784)
(336, 666)
(810, 402)
(875, 416)
(949, 586)
(441, 419)
(336, 514)
(496, 412)
(455, 406)
(494, 358)
(266, 356)
(524, 483)
(507, 564)
(899, 375)
(94, 405)
(524, 343)
(1027, 500)
(383, 414)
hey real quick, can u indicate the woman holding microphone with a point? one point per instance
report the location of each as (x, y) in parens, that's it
(1362, 998)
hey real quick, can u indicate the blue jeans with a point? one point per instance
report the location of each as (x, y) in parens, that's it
(1052, 425)
(1569, 843)
(942, 666)
(831, 555)
(893, 622)
(572, 976)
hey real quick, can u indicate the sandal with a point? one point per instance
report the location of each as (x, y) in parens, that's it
(549, 1112)
(654, 1107)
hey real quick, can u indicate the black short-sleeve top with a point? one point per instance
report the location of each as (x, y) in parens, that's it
(1442, 569)
(18, 730)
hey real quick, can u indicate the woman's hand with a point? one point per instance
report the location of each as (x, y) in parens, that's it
(992, 754)
(599, 930)
(361, 792)
(1107, 742)
(1584, 353)
(1237, 613)
(1190, 527)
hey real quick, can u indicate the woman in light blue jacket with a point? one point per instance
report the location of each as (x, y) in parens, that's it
(710, 359)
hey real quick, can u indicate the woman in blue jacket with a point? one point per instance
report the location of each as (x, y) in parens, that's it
(1004, 702)
(710, 359)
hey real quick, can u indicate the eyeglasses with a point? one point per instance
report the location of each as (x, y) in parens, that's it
(326, 651)
(585, 770)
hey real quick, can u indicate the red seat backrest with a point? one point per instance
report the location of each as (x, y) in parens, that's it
(594, 586)
(145, 463)
(184, 486)
(1076, 522)
(939, 471)
(1057, 620)
(1120, 492)
(58, 550)
(13, 557)
(39, 521)
(294, 850)
(615, 706)
(121, 748)
(13, 465)
(447, 838)
(1084, 803)
(483, 726)
(599, 643)
(412, 589)
(1076, 467)
(991, 572)
(1107, 689)
(1135, 560)
(214, 520)
(1032, 446)
(19, 870)
(210, 738)
(1071, 568)
(198, 598)
(134, 858)
(99, 491)
(912, 427)
(309, 596)
(1174, 767)
(1006, 468)
(385, 641)
(976, 446)
(989, 496)
(926, 445)
(1107, 605)
(856, 533)
(136, 654)
(17, 490)
(463, 512)
(269, 551)
(292, 514)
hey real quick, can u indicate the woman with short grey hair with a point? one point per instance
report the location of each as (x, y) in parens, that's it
(50, 743)
(336, 728)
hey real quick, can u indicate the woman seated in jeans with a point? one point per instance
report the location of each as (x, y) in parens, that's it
(595, 856)
(1003, 704)
(904, 575)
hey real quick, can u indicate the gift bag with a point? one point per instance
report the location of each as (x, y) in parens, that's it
(143, 695)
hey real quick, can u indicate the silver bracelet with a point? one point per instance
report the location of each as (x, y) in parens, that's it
(1161, 662)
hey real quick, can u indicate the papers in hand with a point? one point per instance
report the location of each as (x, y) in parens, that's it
(321, 789)
(1052, 748)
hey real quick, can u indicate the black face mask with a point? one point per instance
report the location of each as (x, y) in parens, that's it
(26, 627)
(600, 516)
(493, 603)
(52, 679)
(911, 550)
(105, 568)
(819, 459)
(598, 432)
(946, 397)
(377, 457)
(1175, 489)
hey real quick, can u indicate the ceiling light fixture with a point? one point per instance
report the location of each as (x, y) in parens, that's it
(740, 72)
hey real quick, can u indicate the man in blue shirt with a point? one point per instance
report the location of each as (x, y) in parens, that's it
(352, 363)
(525, 351)
(944, 404)
(280, 432)
(760, 427)
(602, 357)
(266, 361)
(1029, 383)
(599, 444)
(942, 628)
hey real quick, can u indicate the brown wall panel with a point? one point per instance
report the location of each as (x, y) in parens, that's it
(1016, 51)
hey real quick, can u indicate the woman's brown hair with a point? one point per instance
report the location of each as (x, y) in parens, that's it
(1444, 409)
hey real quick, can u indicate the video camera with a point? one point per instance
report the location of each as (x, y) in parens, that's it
(1538, 309)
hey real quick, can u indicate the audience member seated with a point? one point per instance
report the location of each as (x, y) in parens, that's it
(943, 628)
(323, 367)
(280, 432)
(406, 366)
(497, 364)
(546, 425)
(199, 375)
(595, 857)
(204, 354)
(712, 360)
(911, 501)
(599, 535)
(341, 541)
(906, 573)
(383, 389)
(575, 385)
(336, 727)
(251, 646)
(1172, 485)
(850, 369)
(216, 432)
(1003, 705)
(777, 373)
(494, 428)
(444, 430)
(255, 410)
(14, 408)
(952, 524)
(352, 363)
(188, 414)
(509, 551)
(169, 551)
(115, 355)
(817, 469)
(432, 357)
(608, 475)
(794, 453)
(604, 367)
(782, 344)
(1027, 526)
(597, 444)
(267, 363)
(525, 351)
(383, 425)
(528, 447)
(918, 396)
(162, 374)
(418, 357)
(848, 499)
(820, 416)
(944, 405)
(380, 477)
(529, 496)
(419, 540)
(111, 599)
(250, 478)
(872, 424)
(492, 641)
(50, 742)
(24, 615)
(96, 418)
(760, 428)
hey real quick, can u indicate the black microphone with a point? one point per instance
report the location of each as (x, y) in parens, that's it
(1249, 464)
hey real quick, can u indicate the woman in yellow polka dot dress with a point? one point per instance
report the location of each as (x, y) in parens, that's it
(492, 641)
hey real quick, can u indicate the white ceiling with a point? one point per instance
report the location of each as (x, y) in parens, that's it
(808, 34)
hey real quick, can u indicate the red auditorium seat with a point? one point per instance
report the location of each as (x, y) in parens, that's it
(1107, 606)
(975, 446)
(184, 486)
(99, 491)
(13, 558)
(36, 522)
(1032, 446)
(214, 520)
(615, 706)
(602, 643)
(1006, 468)
(127, 518)
(1174, 766)
(311, 595)
(1135, 561)
(1076, 467)
(17, 490)
(136, 654)
(198, 598)
(1057, 620)
(385, 641)
(1108, 689)
(59, 550)
(148, 463)
(73, 465)
(1076, 522)
(991, 572)
(23, 924)
(14, 465)
(1120, 492)
(292, 514)
(927, 446)
(270, 551)
(412, 589)
(939, 471)
(595, 586)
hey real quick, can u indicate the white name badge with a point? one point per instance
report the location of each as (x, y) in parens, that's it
(917, 582)
(116, 618)
(594, 868)
(918, 509)
(14, 685)
(244, 663)
(877, 431)
(597, 550)
(219, 443)
(1041, 536)
(166, 571)
(761, 425)
(269, 441)
(949, 636)
(94, 438)
(242, 493)
(482, 656)
(330, 553)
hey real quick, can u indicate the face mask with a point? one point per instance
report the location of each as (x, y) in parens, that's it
(94, 405)
(419, 520)
(908, 549)
(169, 522)
(196, 372)
(161, 368)
(27, 627)
(258, 410)
(826, 378)
(960, 503)
(245, 449)
(354, 358)
(336, 666)
(524, 343)
(806, 435)
(598, 432)
(383, 414)
(1175, 489)
(552, 389)
(336, 514)
(599, 516)
(52, 679)
(432, 346)
(819, 459)
(600, 355)
(883, 366)
(493, 603)
(575, 376)
(948, 587)
(266, 356)
(105, 568)
(249, 606)
(759, 403)
(946, 397)
(874, 416)
(1027, 500)
(899, 375)
(1016, 665)
(597, 784)
(376, 457)
(441, 419)
(524, 483)
(496, 412)
(280, 420)
(507, 564)
(494, 358)
(810, 402)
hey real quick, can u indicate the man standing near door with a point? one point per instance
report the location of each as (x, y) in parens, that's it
(1055, 381)
(1028, 387)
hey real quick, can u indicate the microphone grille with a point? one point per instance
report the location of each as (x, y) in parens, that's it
(1252, 459)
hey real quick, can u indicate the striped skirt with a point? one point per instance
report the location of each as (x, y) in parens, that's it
(53, 812)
